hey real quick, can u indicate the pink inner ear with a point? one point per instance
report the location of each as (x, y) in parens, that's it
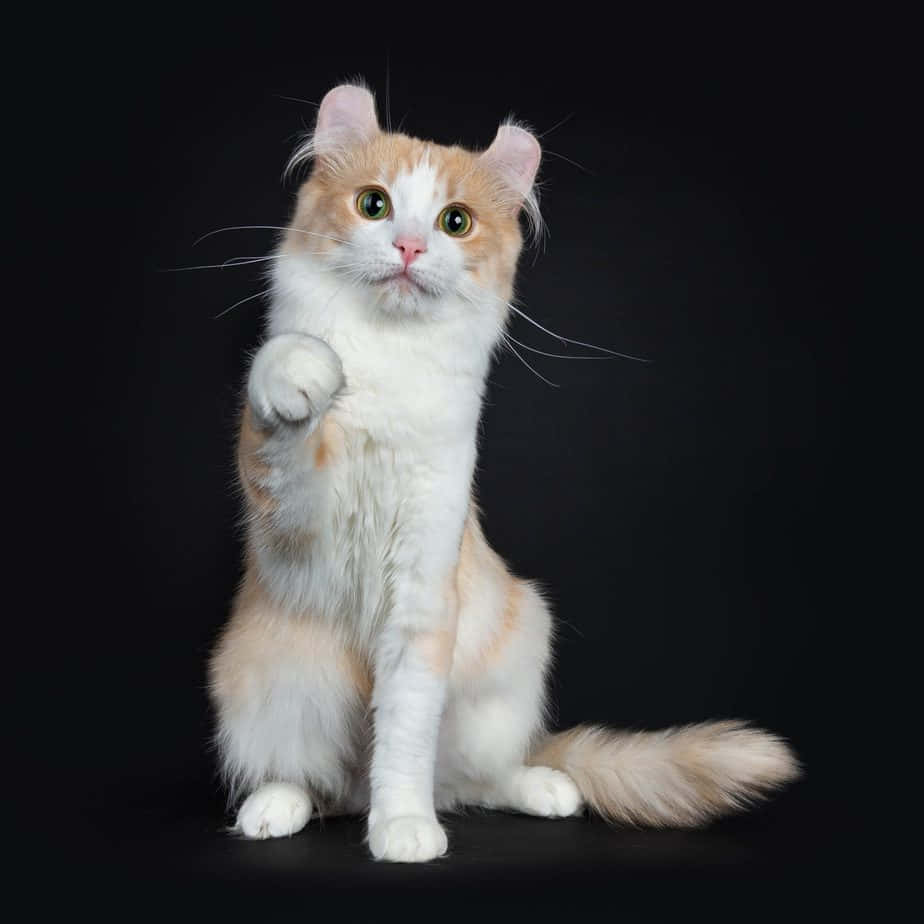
(515, 153)
(346, 116)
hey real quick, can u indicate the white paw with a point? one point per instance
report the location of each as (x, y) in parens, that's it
(274, 810)
(293, 377)
(407, 839)
(546, 792)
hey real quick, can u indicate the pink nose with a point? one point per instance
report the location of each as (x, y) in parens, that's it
(411, 247)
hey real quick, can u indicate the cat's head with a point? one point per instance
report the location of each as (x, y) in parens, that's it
(409, 224)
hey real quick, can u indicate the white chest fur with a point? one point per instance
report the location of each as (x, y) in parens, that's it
(391, 504)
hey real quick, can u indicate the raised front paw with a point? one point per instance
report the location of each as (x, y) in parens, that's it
(293, 378)
(407, 839)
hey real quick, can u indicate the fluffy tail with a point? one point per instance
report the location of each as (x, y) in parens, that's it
(679, 777)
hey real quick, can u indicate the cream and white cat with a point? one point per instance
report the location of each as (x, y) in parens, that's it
(380, 656)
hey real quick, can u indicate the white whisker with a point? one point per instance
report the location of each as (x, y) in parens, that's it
(590, 346)
(295, 99)
(526, 346)
(574, 163)
(243, 261)
(551, 333)
(232, 262)
(221, 314)
(558, 124)
(328, 237)
(387, 92)
(513, 350)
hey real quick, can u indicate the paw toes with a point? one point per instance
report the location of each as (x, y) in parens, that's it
(408, 839)
(274, 810)
(549, 793)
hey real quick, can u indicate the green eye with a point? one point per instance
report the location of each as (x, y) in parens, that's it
(373, 203)
(455, 220)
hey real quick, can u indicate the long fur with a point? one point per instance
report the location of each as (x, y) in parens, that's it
(678, 777)
(380, 656)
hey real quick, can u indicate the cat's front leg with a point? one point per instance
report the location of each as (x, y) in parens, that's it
(411, 673)
(283, 446)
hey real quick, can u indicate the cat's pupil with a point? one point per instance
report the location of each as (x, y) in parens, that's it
(374, 203)
(455, 220)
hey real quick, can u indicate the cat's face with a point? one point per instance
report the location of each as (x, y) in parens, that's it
(410, 224)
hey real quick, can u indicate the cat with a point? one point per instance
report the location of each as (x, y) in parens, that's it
(380, 657)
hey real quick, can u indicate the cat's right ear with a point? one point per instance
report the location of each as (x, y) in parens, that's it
(346, 117)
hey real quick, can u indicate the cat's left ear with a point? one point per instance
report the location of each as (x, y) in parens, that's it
(514, 154)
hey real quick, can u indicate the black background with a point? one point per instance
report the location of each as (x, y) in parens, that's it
(686, 516)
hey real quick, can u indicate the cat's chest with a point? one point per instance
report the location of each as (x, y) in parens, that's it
(402, 405)
(402, 462)
(390, 511)
(384, 475)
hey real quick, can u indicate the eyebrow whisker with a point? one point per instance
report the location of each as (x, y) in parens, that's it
(573, 163)
(558, 124)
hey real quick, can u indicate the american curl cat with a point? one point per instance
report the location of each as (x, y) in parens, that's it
(380, 657)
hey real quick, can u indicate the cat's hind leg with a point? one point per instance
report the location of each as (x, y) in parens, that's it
(538, 791)
(495, 752)
(496, 702)
(291, 702)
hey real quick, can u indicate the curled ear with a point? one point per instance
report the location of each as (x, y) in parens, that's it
(346, 117)
(514, 154)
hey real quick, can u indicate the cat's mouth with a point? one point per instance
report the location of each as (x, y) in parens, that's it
(404, 282)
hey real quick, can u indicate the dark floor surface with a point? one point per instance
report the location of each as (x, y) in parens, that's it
(169, 845)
